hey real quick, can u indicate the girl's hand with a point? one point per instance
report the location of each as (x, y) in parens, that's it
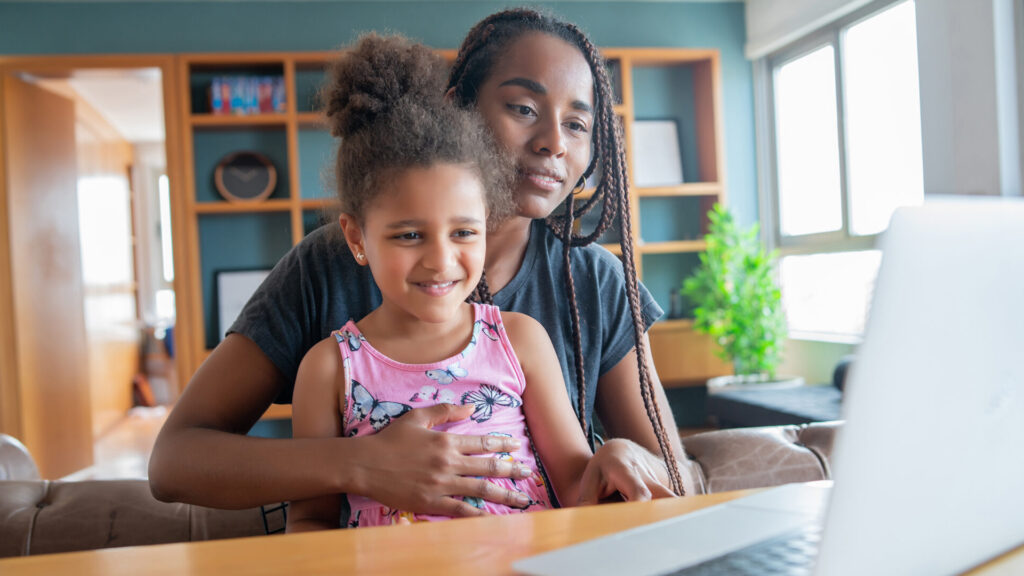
(413, 468)
(625, 467)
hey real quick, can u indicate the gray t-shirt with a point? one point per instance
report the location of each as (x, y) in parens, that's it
(318, 286)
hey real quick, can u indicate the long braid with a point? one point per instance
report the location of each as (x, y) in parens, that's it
(613, 160)
(574, 309)
(482, 292)
(467, 74)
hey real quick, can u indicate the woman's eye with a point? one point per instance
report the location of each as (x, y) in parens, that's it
(576, 126)
(521, 109)
(465, 233)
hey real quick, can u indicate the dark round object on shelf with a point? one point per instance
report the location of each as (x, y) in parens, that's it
(245, 177)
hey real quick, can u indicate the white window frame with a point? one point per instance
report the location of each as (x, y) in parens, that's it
(765, 68)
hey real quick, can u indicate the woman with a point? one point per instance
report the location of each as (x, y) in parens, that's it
(541, 88)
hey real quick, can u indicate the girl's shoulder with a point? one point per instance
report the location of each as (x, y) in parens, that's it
(522, 328)
(322, 363)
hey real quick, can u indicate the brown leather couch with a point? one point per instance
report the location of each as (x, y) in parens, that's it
(43, 516)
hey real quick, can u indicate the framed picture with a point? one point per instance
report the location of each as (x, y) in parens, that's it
(656, 157)
(234, 288)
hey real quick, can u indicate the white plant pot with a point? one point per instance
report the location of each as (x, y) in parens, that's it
(752, 382)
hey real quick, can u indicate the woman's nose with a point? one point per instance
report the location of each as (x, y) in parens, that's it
(549, 140)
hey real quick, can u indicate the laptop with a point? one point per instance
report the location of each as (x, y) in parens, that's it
(929, 466)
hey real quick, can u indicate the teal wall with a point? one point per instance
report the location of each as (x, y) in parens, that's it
(240, 26)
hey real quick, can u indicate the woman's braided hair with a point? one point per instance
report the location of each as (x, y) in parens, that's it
(476, 58)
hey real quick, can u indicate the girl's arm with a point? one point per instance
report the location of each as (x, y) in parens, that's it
(317, 407)
(554, 428)
(631, 462)
(203, 456)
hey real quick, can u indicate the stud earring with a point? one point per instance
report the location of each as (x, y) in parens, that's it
(360, 256)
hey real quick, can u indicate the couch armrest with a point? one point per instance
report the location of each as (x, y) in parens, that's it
(742, 458)
(15, 461)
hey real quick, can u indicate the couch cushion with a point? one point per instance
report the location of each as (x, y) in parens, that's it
(95, 514)
(741, 458)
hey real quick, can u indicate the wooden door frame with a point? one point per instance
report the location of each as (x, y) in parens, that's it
(10, 401)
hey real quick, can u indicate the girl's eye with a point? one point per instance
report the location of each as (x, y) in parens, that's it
(408, 236)
(465, 233)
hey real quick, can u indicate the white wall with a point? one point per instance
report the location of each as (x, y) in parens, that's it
(969, 96)
(150, 162)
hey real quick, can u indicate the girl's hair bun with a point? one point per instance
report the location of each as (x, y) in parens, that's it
(367, 82)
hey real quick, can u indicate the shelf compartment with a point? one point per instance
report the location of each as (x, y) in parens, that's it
(209, 147)
(663, 277)
(316, 164)
(686, 92)
(202, 71)
(309, 77)
(236, 242)
(670, 219)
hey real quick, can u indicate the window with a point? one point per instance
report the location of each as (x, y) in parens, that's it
(842, 113)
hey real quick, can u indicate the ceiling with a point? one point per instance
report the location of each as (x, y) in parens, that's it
(130, 99)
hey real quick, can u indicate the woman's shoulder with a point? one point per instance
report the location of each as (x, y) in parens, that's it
(326, 239)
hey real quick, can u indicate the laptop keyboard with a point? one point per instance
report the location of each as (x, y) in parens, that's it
(792, 553)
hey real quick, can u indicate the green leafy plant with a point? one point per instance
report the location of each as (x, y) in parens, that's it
(737, 301)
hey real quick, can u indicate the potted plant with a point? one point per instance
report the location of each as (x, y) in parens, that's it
(737, 301)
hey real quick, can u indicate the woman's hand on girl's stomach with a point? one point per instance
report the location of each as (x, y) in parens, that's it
(411, 467)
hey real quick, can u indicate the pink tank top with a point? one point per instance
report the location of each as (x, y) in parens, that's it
(485, 374)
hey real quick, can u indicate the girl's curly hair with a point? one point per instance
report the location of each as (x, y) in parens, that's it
(384, 98)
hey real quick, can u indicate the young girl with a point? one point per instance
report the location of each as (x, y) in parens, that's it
(415, 175)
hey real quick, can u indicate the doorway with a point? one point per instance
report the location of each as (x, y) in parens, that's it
(101, 234)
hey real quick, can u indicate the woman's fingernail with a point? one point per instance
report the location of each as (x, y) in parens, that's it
(524, 470)
(522, 500)
(516, 444)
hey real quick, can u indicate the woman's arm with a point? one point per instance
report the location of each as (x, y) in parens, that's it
(554, 428)
(631, 463)
(202, 455)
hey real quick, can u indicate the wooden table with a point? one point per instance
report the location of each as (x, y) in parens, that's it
(474, 546)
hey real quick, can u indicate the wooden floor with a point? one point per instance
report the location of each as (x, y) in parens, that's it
(123, 451)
